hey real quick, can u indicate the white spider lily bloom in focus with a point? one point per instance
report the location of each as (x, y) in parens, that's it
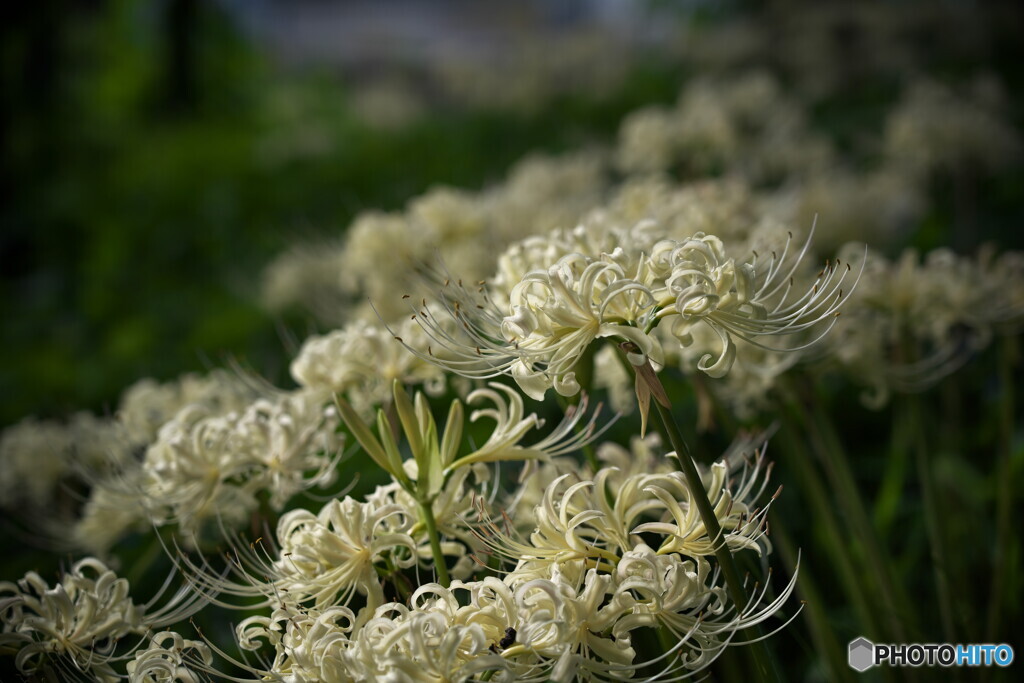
(552, 315)
(323, 559)
(329, 556)
(308, 644)
(423, 644)
(743, 300)
(76, 628)
(170, 657)
(578, 528)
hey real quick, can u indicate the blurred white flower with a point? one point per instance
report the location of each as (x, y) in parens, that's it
(77, 626)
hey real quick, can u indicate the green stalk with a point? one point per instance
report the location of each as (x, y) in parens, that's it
(837, 469)
(824, 637)
(932, 517)
(154, 548)
(832, 534)
(1006, 555)
(427, 517)
(766, 668)
(894, 480)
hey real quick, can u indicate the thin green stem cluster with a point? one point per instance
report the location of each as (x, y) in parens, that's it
(734, 584)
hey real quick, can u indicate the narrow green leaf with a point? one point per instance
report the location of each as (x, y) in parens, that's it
(423, 414)
(362, 433)
(407, 415)
(452, 438)
(393, 455)
(434, 477)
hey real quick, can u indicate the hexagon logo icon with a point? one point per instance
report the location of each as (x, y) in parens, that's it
(862, 654)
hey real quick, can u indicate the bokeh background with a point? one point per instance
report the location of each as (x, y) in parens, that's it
(158, 154)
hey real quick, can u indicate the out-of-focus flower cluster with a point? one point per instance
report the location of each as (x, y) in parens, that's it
(79, 626)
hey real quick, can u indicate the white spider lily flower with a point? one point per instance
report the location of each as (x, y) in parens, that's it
(116, 506)
(682, 595)
(511, 426)
(677, 593)
(430, 649)
(551, 316)
(573, 628)
(205, 467)
(916, 320)
(148, 405)
(564, 536)
(742, 524)
(556, 315)
(329, 556)
(168, 658)
(77, 626)
(309, 644)
(189, 469)
(742, 300)
(294, 443)
(362, 360)
(577, 528)
(425, 642)
(38, 456)
(323, 559)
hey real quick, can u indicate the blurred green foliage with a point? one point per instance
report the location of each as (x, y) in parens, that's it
(146, 187)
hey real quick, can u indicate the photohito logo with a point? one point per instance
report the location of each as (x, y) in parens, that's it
(864, 654)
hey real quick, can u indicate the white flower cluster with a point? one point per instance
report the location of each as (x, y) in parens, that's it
(362, 360)
(329, 557)
(37, 455)
(745, 127)
(915, 320)
(385, 252)
(204, 467)
(596, 568)
(77, 626)
(938, 130)
(168, 658)
(724, 136)
(548, 317)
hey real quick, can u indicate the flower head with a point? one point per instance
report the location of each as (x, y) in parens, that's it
(552, 315)
(77, 625)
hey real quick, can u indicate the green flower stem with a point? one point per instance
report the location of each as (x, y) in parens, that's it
(154, 548)
(824, 637)
(762, 657)
(399, 580)
(1007, 552)
(837, 469)
(890, 495)
(832, 535)
(932, 516)
(427, 517)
